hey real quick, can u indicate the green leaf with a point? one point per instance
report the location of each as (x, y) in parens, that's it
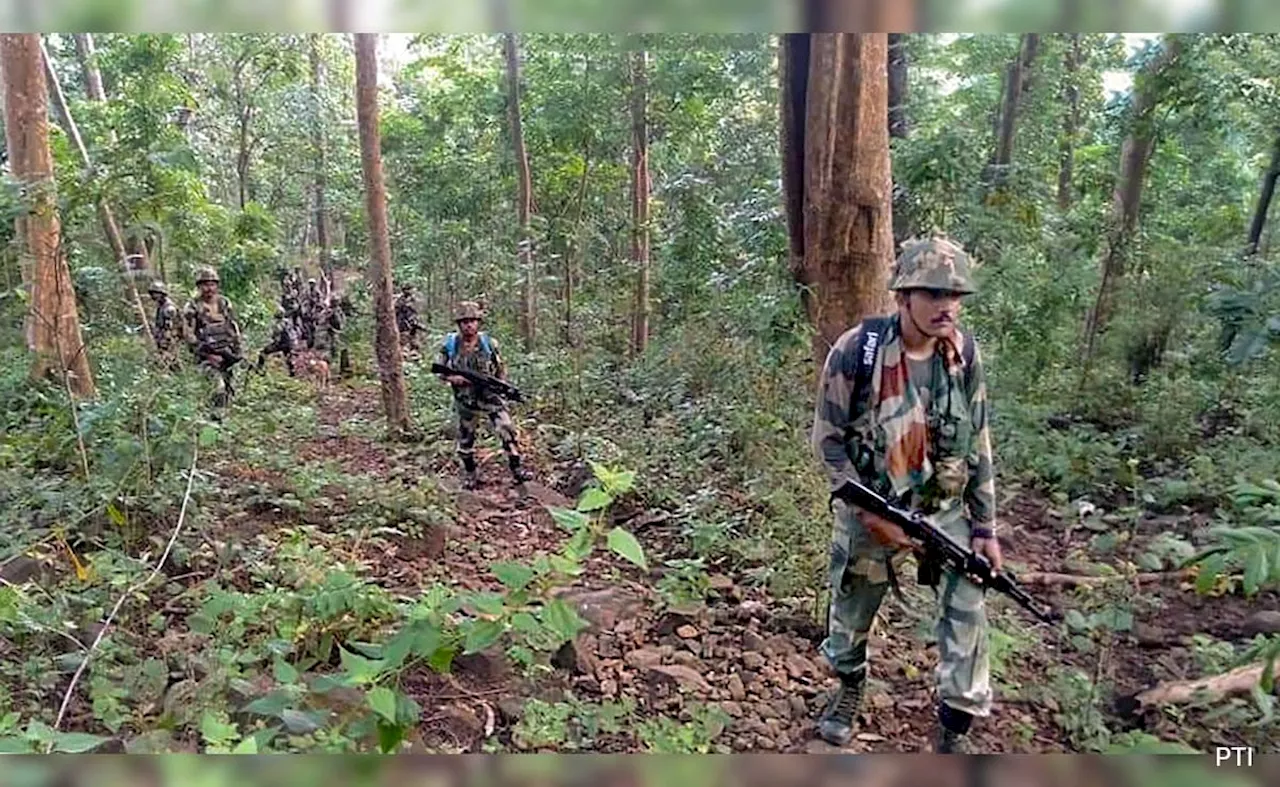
(208, 436)
(15, 745)
(115, 516)
(383, 702)
(481, 634)
(571, 521)
(513, 576)
(76, 742)
(247, 746)
(408, 712)
(1209, 571)
(594, 499)
(625, 544)
(359, 669)
(215, 731)
(285, 672)
(442, 659)
(524, 622)
(563, 619)
(1255, 570)
(389, 737)
(301, 722)
(272, 704)
(486, 603)
(1075, 620)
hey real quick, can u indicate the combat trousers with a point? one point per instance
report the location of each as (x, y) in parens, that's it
(859, 577)
(503, 427)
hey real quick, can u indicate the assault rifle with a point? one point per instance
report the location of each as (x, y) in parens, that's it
(939, 548)
(482, 382)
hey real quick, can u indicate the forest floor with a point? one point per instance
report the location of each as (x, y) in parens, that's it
(752, 656)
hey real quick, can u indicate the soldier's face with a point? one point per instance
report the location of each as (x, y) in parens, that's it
(208, 289)
(934, 311)
(469, 328)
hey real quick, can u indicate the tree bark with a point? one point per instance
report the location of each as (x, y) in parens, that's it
(898, 127)
(92, 76)
(640, 199)
(54, 320)
(109, 225)
(1264, 201)
(524, 196)
(1070, 121)
(1014, 86)
(836, 180)
(387, 339)
(24, 259)
(1135, 153)
(318, 141)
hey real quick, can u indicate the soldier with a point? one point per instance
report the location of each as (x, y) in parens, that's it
(284, 340)
(166, 327)
(474, 351)
(902, 407)
(328, 336)
(311, 307)
(213, 335)
(407, 317)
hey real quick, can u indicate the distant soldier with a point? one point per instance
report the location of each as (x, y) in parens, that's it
(213, 335)
(328, 337)
(284, 341)
(312, 303)
(407, 317)
(471, 350)
(166, 327)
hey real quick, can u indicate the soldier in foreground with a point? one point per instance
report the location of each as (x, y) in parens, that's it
(902, 408)
(213, 335)
(470, 349)
(166, 327)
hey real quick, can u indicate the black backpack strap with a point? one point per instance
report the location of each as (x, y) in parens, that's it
(870, 337)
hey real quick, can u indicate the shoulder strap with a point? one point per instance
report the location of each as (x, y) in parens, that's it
(967, 354)
(484, 342)
(868, 347)
(451, 345)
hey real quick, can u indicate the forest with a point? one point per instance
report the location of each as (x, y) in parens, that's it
(664, 234)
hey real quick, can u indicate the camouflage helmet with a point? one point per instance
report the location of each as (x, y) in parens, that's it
(206, 273)
(935, 263)
(157, 286)
(468, 310)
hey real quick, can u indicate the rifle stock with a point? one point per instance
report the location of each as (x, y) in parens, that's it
(939, 545)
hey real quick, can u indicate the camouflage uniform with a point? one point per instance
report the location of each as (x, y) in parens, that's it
(211, 330)
(284, 341)
(941, 423)
(407, 317)
(166, 327)
(328, 336)
(312, 305)
(470, 405)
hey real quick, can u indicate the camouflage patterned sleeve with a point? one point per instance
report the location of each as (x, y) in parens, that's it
(189, 323)
(831, 416)
(499, 365)
(980, 494)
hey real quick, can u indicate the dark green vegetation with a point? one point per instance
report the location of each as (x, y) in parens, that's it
(330, 590)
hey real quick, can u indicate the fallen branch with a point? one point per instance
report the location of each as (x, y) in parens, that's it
(1050, 579)
(106, 624)
(1238, 681)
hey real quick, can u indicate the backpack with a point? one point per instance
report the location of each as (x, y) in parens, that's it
(868, 347)
(451, 345)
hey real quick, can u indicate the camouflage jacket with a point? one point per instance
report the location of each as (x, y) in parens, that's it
(851, 446)
(475, 359)
(166, 328)
(211, 325)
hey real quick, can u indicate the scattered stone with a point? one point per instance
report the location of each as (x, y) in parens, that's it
(510, 709)
(470, 503)
(605, 608)
(23, 569)
(625, 626)
(798, 666)
(681, 675)
(576, 655)
(737, 691)
(686, 632)
(752, 660)
(799, 708)
(548, 497)
(782, 708)
(689, 660)
(732, 709)
(784, 741)
(1151, 636)
(766, 742)
(766, 710)
(881, 700)
(609, 688)
(1264, 621)
(752, 641)
(489, 667)
(608, 648)
(643, 658)
(464, 722)
(719, 582)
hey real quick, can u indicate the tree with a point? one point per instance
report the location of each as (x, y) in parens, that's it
(640, 199)
(1264, 201)
(1015, 84)
(54, 322)
(387, 340)
(835, 174)
(1070, 120)
(1150, 86)
(318, 142)
(524, 195)
(898, 85)
(109, 225)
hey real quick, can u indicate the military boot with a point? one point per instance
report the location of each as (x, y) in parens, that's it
(519, 473)
(836, 723)
(470, 478)
(953, 731)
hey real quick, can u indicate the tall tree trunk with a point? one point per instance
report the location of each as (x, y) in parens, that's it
(24, 259)
(1070, 120)
(318, 141)
(524, 196)
(577, 247)
(640, 199)
(899, 127)
(836, 181)
(1135, 153)
(109, 225)
(1264, 201)
(387, 340)
(92, 76)
(1014, 86)
(55, 322)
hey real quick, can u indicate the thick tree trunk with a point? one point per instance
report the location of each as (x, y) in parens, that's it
(1014, 86)
(109, 225)
(524, 196)
(21, 249)
(387, 340)
(1070, 121)
(640, 199)
(835, 151)
(1264, 201)
(1135, 153)
(318, 141)
(55, 323)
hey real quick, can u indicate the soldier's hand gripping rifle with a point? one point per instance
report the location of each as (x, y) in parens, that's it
(481, 382)
(940, 547)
